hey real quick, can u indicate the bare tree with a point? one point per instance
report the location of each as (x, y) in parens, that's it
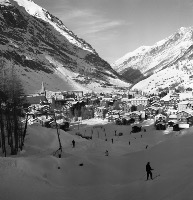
(11, 102)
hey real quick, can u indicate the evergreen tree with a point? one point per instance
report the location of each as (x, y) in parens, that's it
(133, 108)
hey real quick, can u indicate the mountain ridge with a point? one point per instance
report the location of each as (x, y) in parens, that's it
(149, 60)
(46, 50)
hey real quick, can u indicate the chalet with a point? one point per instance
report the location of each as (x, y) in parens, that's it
(169, 102)
(175, 96)
(156, 104)
(184, 114)
(160, 117)
(124, 95)
(106, 101)
(172, 112)
(73, 93)
(154, 98)
(136, 116)
(185, 118)
(183, 105)
(173, 118)
(132, 93)
(114, 114)
(126, 100)
(152, 111)
(164, 100)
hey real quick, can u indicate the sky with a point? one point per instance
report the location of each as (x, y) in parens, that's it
(116, 27)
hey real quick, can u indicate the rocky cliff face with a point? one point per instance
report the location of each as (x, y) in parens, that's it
(42, 48)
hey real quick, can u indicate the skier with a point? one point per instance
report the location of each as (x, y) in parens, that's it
(73, 143)
(112, 140)
(106, 153)
(148, 170)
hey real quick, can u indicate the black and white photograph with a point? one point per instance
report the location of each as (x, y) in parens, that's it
(96, 99)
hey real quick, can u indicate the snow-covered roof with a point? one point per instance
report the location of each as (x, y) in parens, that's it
(185, 95)
(107, 98)
(154, 107)
(140, 98)
(189, 111)
(165, 98)
(172, 116)
(125, 99)
(36, 99)
(183, 103)
(136, 112)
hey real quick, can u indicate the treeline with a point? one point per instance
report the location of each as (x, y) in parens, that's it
(81, 110)
(12, 132)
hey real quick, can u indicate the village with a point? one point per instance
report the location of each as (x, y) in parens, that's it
(67, 109)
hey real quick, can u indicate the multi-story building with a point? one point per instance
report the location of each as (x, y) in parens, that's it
(183, 105)
(169, 101)
(137, 101)
(185, 118)
(136, 116)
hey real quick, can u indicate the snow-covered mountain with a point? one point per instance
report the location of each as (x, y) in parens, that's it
(168, 62)
(42, 48)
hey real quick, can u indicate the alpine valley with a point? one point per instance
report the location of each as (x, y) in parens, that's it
(41, 48)
(166, 64)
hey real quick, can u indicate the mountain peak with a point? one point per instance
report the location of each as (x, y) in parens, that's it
(37, 11)
(41, 48)
(32, 8)
(136, 52)
(185, 29)
(174, 51)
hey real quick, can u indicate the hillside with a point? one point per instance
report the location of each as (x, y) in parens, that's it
(42, 48)
(34, 173)
(154, 63)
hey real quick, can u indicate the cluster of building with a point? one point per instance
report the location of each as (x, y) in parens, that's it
(176, 107)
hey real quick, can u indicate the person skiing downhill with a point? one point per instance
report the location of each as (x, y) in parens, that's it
(148, 170)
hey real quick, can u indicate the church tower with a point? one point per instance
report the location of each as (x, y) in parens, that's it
(43, 89)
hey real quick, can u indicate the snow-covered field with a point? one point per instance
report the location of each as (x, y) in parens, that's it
(35, 174)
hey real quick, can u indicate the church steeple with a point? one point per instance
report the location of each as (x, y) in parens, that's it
(43, 89)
